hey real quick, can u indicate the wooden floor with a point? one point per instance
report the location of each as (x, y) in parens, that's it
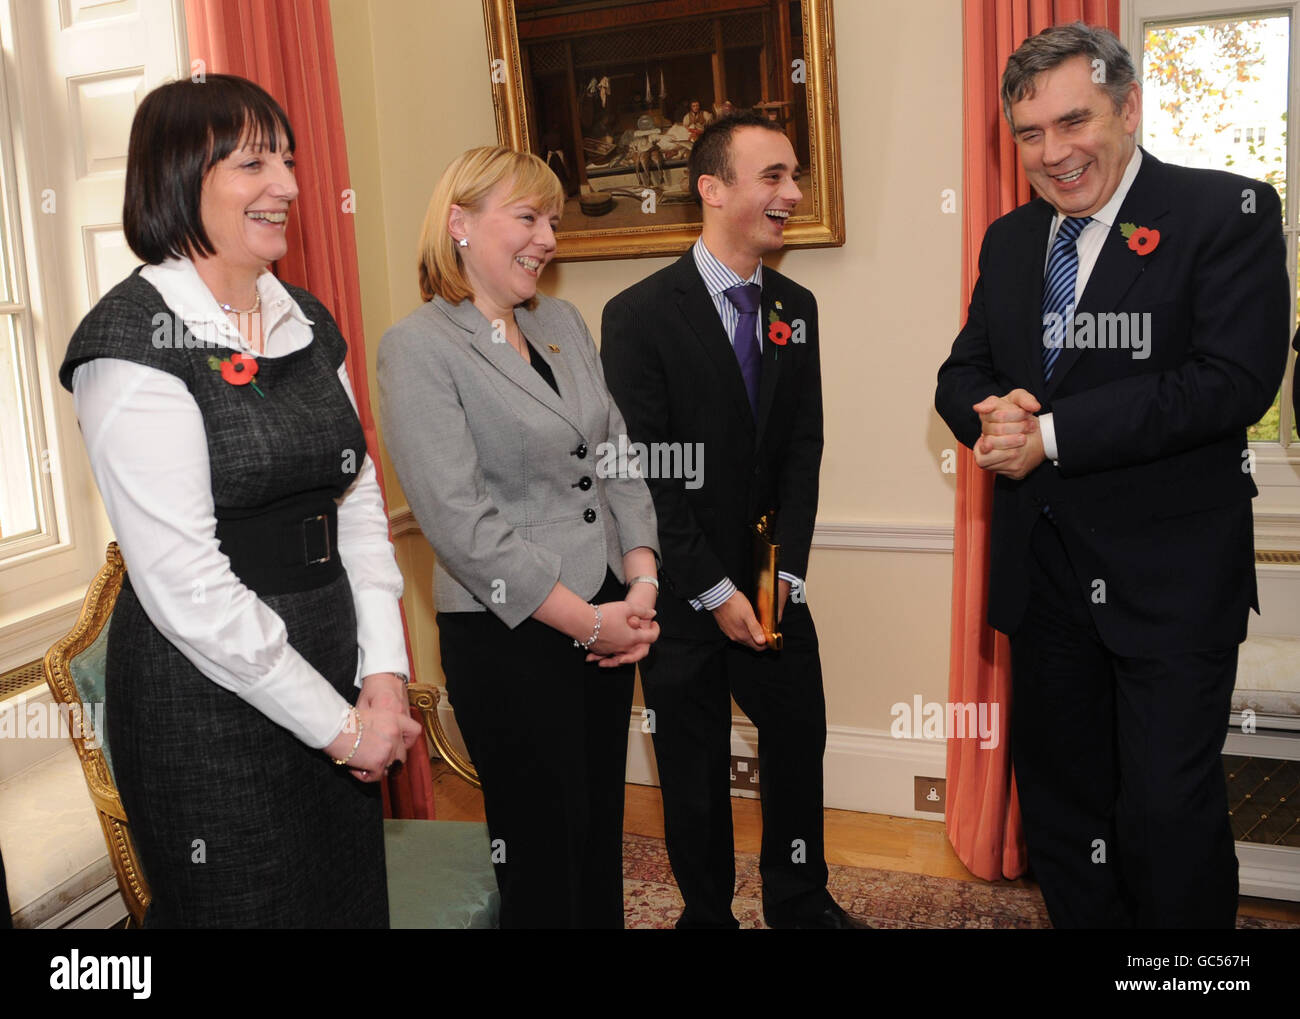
(852, 839)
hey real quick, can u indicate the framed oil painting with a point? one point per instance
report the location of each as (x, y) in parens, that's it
(612, 94)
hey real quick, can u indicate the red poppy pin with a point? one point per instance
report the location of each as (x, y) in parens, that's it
(777, 331)
(238, 369)
(1141, 239)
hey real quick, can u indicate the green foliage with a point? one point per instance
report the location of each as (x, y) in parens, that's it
(1267, 428)
(1188, 90)
(1196, 94)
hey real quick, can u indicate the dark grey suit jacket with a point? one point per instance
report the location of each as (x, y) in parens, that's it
(1152, 495)
(499, 471)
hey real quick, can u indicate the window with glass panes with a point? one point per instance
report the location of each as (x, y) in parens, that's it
(1216, 94)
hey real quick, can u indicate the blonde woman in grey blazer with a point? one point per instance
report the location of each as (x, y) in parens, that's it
(496, 416)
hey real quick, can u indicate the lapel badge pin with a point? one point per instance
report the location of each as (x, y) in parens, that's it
(778, 331)
(1141, 239)
(553, 348)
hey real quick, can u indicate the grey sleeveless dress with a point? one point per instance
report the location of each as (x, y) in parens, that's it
(238, 823)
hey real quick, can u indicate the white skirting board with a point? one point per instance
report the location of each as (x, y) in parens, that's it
(1270, 872)
(870, 772)
(99, 909)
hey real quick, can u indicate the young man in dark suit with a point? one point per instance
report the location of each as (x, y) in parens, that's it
(719, 353)
(1126, 328)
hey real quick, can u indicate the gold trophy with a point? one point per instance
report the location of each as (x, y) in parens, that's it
(767, 555)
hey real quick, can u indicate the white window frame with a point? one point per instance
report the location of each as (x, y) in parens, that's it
(1277, 466)
(21, 207)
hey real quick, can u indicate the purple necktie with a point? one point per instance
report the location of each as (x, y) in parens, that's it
(746, 298)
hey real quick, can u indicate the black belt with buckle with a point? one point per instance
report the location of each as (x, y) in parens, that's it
(284, 547)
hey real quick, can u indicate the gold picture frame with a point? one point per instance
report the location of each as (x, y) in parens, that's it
(571, 91)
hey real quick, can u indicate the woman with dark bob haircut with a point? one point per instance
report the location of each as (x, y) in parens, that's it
(256, 658)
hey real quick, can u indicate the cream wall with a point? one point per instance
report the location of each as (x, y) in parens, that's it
(416, 92)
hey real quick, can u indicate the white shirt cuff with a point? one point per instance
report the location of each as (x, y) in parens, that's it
(714, 596)
(1048, 428)
(299, 698)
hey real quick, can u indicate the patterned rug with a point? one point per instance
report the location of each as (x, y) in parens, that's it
(884, 898)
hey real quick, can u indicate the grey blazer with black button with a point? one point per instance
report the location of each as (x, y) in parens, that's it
(493, 462)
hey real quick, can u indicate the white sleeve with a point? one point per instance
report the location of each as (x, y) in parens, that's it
(371, 565)
(148, 450)
(1047, 425)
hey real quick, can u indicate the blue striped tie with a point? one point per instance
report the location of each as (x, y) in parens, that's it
(1058, 290)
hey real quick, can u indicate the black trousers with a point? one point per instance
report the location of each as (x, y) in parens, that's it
(548, 735)
(1118, 765)
(688, 686)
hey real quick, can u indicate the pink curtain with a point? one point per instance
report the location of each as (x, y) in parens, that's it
(287, 47)
(983, 815)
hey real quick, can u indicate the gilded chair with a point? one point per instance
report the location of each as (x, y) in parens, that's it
(439, 872)
(74, 670)
(425, 700)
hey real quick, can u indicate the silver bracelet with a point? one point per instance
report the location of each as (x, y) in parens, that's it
(643, 580)
(586, 645)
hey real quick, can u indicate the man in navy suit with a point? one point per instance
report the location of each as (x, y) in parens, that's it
(720, 352)
(1127, 326)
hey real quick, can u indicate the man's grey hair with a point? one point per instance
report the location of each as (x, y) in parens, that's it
(1113, 67)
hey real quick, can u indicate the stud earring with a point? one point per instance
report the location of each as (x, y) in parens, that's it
(463, 242)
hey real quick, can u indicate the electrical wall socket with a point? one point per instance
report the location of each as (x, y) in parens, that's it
(931, 794)
(744, 775)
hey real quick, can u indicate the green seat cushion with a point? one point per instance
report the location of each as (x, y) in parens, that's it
(89, 669)
(440, 875)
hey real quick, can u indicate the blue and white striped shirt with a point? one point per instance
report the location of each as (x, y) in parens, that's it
(718, 278)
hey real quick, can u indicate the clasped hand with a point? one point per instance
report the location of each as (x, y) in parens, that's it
(388, 730)
(627, 629)
(1010, 442)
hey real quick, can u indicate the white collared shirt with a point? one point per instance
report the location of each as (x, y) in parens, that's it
(718, 278)
(148, 449)
(1089, 243)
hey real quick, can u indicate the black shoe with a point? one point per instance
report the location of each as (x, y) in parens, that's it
(832, 918)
